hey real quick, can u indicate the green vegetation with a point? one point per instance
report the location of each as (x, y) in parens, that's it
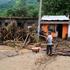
(56, 7)
(29, 8)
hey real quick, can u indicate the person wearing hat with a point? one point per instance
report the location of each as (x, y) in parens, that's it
(49, 44)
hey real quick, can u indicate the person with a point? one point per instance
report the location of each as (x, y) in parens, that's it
(49, 44)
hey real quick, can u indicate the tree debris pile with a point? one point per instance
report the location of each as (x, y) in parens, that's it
(61, 47)
(13, 32)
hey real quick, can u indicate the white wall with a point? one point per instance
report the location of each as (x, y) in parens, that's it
(69, 30)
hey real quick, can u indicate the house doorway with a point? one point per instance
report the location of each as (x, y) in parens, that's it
(59, 30)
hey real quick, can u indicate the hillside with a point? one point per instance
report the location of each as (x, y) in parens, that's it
(4, 1)
(30, 8)
(6, 5)
(9, 3)
(15, 4)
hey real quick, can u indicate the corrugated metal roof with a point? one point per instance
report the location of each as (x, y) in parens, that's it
(63, 17)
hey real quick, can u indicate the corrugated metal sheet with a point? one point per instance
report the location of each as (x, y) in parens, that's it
(60, 18)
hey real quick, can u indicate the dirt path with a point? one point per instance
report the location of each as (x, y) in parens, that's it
(21, 62)
(32, 61)
(61, 63)
(27, 62)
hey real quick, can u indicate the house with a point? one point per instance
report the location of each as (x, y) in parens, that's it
(58, 25)
(21, 21)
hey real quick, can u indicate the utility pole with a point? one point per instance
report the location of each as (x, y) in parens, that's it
(39, 18)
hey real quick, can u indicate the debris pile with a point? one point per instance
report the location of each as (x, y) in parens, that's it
(13, 32)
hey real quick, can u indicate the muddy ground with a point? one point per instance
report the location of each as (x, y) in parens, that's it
(27, 60)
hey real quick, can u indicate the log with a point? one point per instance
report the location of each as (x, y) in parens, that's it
(25, 40)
